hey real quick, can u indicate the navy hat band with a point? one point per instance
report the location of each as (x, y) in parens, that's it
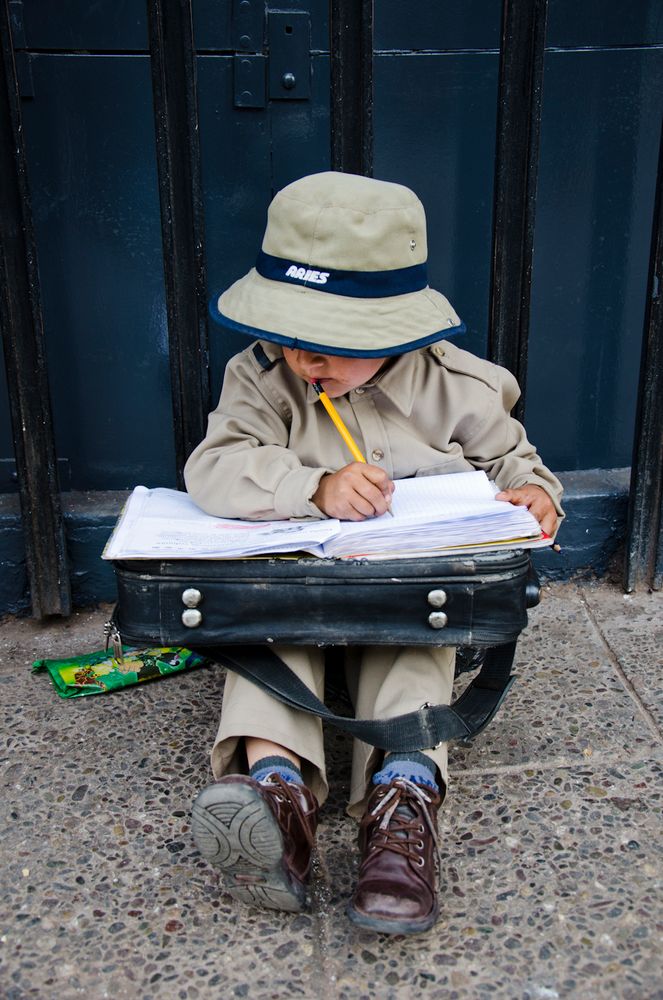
(355, 284)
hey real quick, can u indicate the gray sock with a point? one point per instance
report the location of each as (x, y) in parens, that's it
(414, 766)
(276, 765)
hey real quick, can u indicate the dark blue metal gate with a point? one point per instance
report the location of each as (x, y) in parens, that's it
(142, 141)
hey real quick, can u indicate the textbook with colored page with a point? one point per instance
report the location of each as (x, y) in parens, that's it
(432, 515)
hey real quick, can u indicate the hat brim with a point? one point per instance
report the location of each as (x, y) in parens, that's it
(303, 317)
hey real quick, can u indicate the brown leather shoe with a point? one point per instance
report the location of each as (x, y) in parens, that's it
(261, 835)
(395, 891)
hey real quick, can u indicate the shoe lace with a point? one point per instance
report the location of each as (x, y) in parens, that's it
(285, 791)
(398, 824)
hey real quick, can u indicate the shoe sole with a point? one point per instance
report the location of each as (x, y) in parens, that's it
(386, 926)
(234, 828)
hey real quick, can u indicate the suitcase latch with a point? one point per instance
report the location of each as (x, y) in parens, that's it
(191, 597)
(191, 617)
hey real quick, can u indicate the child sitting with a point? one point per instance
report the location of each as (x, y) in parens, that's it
(340, 296)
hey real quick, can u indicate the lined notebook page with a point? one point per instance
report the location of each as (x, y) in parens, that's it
(454, 495)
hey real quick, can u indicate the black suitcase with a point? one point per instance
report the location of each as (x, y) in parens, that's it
(233, 610)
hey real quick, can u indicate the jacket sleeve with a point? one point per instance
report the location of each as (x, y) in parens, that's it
(498, 444)
(243, 467)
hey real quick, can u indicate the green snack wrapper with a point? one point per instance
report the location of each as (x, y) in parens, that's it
(100, 672)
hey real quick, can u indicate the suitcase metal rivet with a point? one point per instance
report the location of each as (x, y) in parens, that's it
(191, 597)
(437, 619)
(437, 598)
(191, 617)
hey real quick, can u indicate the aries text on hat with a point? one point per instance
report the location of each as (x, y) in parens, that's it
(362, 284)
(303, 274)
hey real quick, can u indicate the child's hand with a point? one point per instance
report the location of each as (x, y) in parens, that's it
(355, 492)
(537, 501)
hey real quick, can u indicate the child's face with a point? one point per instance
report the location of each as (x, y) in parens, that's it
(336, 375)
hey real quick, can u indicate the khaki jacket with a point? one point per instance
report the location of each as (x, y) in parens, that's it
(435, 410)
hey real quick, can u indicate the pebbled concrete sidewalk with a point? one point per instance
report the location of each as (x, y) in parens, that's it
(551, 835)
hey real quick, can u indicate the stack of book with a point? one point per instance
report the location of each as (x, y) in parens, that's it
(431, 515)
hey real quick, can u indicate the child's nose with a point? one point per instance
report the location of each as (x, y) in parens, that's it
(311, 363)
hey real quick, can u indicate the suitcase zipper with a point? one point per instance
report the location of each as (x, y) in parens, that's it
(114, 639)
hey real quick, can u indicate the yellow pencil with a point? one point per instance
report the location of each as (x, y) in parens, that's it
(340, 427)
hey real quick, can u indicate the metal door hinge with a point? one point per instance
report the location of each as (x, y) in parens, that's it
(248, 25)
(249, 79)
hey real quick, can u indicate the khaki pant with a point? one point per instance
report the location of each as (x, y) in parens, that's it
(383, 681)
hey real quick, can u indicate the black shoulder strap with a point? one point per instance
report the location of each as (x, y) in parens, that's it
(420, 730)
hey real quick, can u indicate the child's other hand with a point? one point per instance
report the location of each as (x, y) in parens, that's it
(355, 492)
(537, 501)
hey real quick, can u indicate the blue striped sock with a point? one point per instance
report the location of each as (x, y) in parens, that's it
(414, 766)
(276, 765)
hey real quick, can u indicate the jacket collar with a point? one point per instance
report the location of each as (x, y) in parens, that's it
(397, 382)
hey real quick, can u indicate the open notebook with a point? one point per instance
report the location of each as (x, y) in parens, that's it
(452, 513)
(432, 515)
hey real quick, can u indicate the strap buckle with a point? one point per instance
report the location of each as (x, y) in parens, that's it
(426, 705)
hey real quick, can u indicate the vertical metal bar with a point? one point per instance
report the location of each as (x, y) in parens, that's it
(644, 529)
(23, 341)
(516, 167)
(657, 578)
(351, 24)
(178, 159)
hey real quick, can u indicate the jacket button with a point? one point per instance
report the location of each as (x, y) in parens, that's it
(360, 391)
(437, 619)
(191, 618)
(377, 454)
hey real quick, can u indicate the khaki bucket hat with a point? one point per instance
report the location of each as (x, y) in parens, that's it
(342, 270)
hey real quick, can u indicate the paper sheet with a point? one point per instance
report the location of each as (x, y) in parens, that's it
(167, 524)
